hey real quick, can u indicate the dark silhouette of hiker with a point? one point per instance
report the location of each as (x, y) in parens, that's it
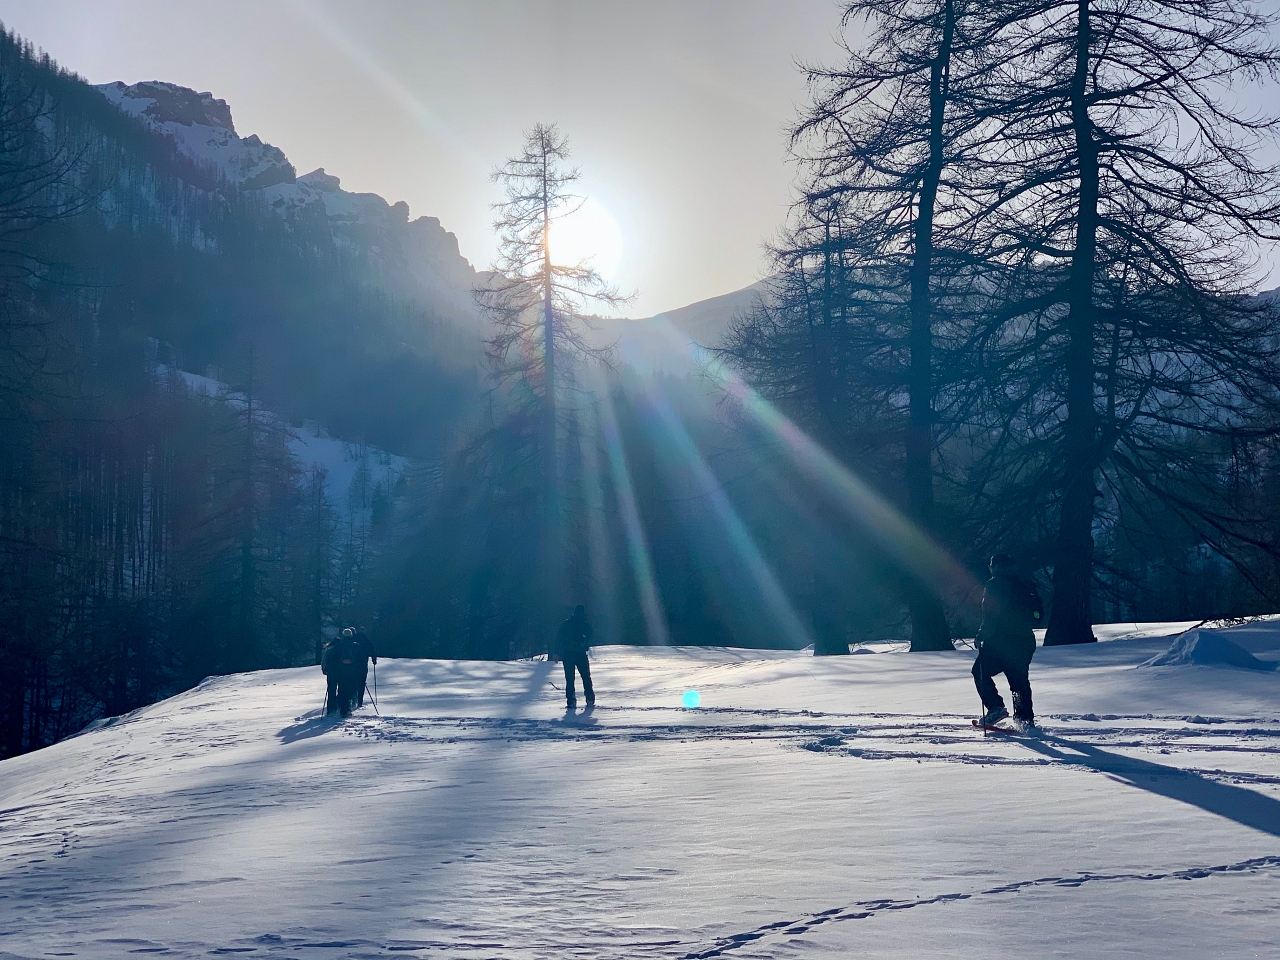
(367, 654)
(344, 664)
(328, 666)
(1011, 609)
(574, 639)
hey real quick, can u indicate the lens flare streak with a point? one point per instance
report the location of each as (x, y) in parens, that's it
(766, 583)
(902, 540)
(340, 39)
(600, 544)
(655, 618)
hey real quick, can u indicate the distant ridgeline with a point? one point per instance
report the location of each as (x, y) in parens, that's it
(211, 244)
(154, 531)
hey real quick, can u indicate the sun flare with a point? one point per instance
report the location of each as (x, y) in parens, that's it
(589, 234)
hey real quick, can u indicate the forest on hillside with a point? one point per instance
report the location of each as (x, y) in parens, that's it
(152, 535)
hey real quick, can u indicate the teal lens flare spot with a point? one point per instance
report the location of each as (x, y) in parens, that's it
(692, 699)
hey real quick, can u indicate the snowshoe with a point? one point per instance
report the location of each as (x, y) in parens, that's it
(992, 717)
(1010, 726)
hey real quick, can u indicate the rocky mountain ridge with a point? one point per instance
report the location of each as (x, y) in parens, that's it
(417, 258)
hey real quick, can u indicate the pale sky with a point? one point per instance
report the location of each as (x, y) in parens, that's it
(676, 109)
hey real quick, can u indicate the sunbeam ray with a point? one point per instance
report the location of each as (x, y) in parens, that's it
(360, 58)
(600, 546)
(655, 618)
(909, 547)
(744, 545)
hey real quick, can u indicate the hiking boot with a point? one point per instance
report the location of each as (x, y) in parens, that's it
(993, 716)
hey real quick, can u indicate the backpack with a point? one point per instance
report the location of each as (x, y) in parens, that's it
(574, 636)
(1028, 602)
(349, 652)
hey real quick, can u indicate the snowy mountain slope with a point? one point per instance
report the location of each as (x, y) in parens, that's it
(707, 320)
(417, 257)
(673, 342)
(813, 807)
(200, 126)
(352, 470)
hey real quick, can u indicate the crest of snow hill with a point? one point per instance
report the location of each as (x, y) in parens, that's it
(418, 258)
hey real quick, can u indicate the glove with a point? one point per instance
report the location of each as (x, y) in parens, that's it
(375, 661)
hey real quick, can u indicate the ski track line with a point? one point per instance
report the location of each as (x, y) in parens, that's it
(869, 908)
(920, 739)
(861, 910)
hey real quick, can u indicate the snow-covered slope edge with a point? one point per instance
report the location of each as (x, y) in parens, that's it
(813, 807)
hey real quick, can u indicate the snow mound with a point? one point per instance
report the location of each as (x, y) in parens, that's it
(1204, 647)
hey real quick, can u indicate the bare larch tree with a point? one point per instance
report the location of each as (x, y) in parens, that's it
(540, 310)
(1125, 203)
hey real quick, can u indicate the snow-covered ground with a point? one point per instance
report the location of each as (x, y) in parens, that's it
(838, 807)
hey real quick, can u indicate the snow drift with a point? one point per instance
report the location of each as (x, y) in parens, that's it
(1207, 647)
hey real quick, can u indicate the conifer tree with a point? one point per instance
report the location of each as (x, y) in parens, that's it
(540, 309)
(875, 255)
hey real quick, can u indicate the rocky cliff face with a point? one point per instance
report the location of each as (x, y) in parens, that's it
(201, 128)
(417, 259)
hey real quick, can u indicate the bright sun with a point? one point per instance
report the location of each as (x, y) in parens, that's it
(591, 234)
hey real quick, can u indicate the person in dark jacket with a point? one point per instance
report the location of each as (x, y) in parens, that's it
(365, 646)
(1011, 610)
(574, 639)
(344, 664)
(330, 667)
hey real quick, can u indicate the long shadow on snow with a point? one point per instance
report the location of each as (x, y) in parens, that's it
(309, 727)
(1246, 807)
(137, 849)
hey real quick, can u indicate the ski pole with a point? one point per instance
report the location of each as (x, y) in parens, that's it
(983, 707)
(375, 685)
(373, 699)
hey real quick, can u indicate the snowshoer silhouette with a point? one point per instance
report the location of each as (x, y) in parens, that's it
(574, 639)
(344, 663)
(367, 654)
(1011, 609)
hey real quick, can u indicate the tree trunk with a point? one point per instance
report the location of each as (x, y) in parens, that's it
(550, 493)
(320, 546)
(15, 692)
(1071, 620)
(246, 658)
(929, 629)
